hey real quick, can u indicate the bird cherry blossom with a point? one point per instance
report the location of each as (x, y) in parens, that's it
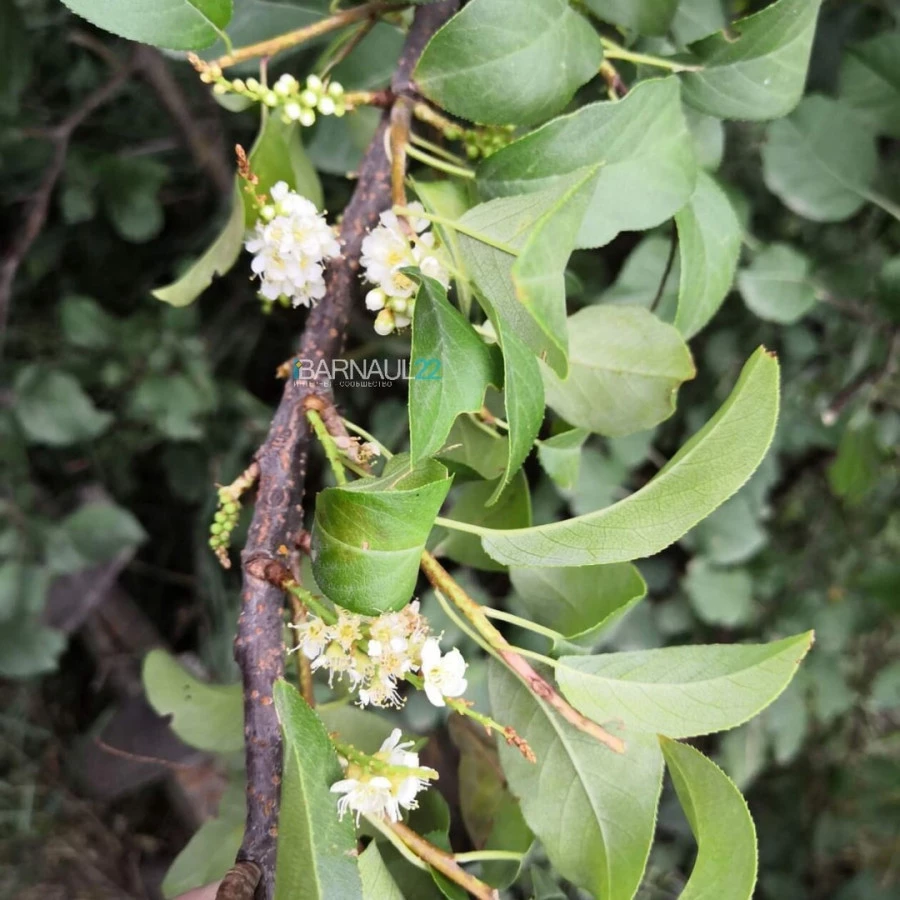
(443, 674)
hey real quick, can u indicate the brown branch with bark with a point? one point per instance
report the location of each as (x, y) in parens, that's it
(277, 526)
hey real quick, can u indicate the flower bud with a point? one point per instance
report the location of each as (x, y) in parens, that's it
(314, 83)
(293, 111)
(375, 300)
(307, 118)
(309, 98)
(384, 323)
(335, 89)
(326, 106)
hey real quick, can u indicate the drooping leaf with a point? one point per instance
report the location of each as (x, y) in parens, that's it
(560, 456)
(515, 250)
(53, 409)
(593, 810)
(641, 16)
(579, 603)
(173, 24)
(533, 63)
(777, 285)
(695, 19)
(210, 852)
(473, 452)
(717, 813)
(475, 505)
(681, 691)
(642, 144)
(870, 82)
(206, 716)
(523, 398)
(316, 853)
(719, 596)
(707, 470)
(709, 240)
(217, 260)
(820, 161)
(467, 366)
(377, 882)
(625, 368)
(758, 69)
(368, 535)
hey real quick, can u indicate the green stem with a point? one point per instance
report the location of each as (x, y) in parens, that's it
(456, 226)
(438, 164)
(436, 149)
(533, 654)
(884, 203)
(613, 50)
(467, 527)
(328, 445)
(522, 623)
(311, 602)
(402, 849)
(487, 855)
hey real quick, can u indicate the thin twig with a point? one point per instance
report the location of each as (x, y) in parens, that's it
(277, 526)
(275, 45)
(540, 687)
(38, 208)
(443, 862)
(401, 116)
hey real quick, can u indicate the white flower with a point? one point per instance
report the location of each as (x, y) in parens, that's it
(373, 797)
(312, 637)
(398, 754)
(386, 251)
(444, 675)
(290, 244)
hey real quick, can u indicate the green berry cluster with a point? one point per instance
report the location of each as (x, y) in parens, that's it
(486, 140)
(224, 522)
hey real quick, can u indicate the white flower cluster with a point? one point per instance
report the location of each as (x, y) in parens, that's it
(388, 249)
(290, 244)
(388, 783)
(376, 653)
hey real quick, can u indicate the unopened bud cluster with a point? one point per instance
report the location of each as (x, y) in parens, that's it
(377, 653)
(297, 102)
(484, 141)
(386, 251)
(224, 522)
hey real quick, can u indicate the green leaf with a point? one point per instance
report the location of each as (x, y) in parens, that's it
(820, 162)
(531, 64)
(100, 531)
(560, 456)
(278, 155)
(28, 648)
(646, 275)
(855, 471)
(641, 16)
(316, 850)
(642, 144)
(206, 716)
(15, 58)
(708, 133)
(259, 20)
(210, 853)
(173, 24)
(593, 810)
(467, 367)
(682, 691)
(707, 470)
(368, 535)
(709, 240)
(695, 19)
(85, 323)
(580, 602)
(515, 250)
(523, 399)
(719, 596)
(870, 82)
(53, 409)
(217, 260)
(130, 190)
(475, 504)
(377, 882)
(472, 451)
(725, 867)
(625, 368)
(758, 69)
(777, 285)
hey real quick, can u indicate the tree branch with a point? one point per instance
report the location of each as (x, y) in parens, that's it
(277, 524)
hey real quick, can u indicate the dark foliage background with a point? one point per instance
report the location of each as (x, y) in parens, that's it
(118, 415)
